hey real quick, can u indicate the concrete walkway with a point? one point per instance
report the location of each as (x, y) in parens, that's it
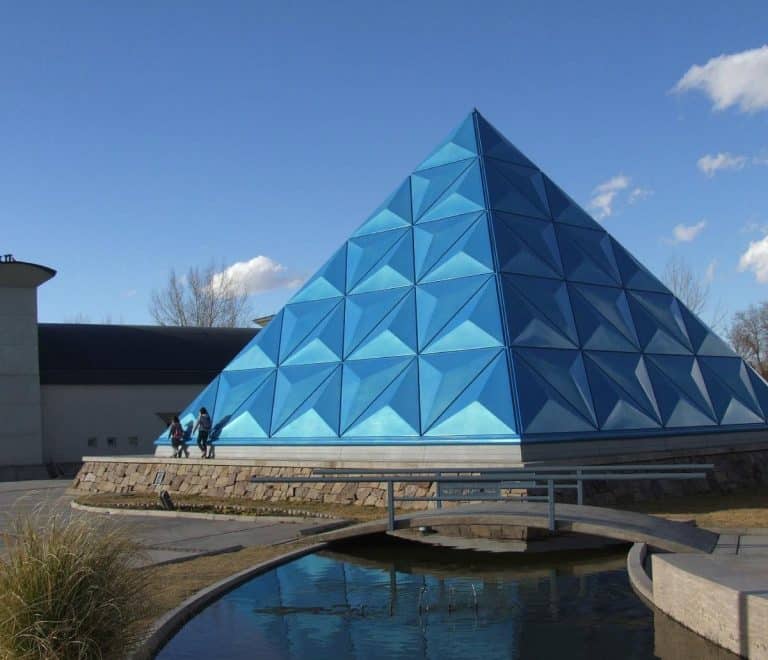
(164, 539)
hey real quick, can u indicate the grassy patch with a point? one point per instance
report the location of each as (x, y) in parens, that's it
(233, 506)
(68, 589)
(742, 509)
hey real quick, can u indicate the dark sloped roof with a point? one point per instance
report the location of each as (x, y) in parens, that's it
(87, 354)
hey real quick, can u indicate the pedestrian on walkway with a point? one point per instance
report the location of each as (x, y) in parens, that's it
(176, 435)
(203, 428)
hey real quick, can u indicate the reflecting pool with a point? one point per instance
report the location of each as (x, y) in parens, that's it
(398, 600)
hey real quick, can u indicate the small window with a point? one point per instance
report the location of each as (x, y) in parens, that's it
(133, 441)
(93, 442)
(111, 442)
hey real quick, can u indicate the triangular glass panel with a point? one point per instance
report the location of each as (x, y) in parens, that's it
(438, 302)
(460, 145)
(395, 268)
(538, 312)
(703, 340)
(603, 318)
(564, 371)
(760, 388)
(485, 407)
(252, 419)
(476, 325)
(394, 335)
(658, 323)
(526, 245)
(365, 252)
(469, 255)
(444, 376)
(683, 374)
(629, 374)
(727, 378)
(495, 145)
(371, 395)
(262, 351)
(364, 311)
(318, 415)
(587, 256)
(543, 410)
(294, 386)
(328, 282)
(465, 195)
(428, 186)
(234, 389)
(431, 240)
(633, 274)
(516, 189)
(300, 319)
(565, 210)
(324, 343)
(615, 408)
(395, 212)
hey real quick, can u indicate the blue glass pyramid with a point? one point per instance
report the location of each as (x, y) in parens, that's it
(479, 303)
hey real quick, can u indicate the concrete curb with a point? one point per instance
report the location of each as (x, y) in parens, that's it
(638, 577)
(154, 513)
(168, 624)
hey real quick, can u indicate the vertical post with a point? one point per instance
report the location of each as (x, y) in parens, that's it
(551, 503)
(391, 505)
(579, 488)
(439, 492)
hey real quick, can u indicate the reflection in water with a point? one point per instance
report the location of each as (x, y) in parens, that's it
(408, 601)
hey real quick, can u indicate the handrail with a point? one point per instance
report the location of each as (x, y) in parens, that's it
(476, 481)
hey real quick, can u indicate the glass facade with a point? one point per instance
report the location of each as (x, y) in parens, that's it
(480, 303)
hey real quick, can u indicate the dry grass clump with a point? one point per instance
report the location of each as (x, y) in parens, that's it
(69, 589)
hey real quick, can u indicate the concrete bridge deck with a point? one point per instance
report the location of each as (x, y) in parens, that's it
(627, 526)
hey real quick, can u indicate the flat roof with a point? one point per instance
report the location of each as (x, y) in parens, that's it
(91, 354)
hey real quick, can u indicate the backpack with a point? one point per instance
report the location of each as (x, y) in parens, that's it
(176, 431)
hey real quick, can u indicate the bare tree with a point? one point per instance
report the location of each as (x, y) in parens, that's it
(201, 298)
(694, 291)
(749, 336)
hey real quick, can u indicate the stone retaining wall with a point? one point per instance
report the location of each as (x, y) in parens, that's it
(214, 479)
(231, 479)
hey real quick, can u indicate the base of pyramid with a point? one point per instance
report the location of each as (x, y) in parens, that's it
(740, 461)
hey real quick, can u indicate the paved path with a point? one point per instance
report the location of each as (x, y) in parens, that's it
(628, 526)
(165, 539)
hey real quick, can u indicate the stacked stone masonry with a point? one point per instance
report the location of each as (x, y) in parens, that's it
(733, 470)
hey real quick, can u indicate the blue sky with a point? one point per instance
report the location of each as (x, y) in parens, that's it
(148, 135)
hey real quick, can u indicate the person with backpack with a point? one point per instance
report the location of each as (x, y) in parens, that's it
(176, 435)
(203, 428)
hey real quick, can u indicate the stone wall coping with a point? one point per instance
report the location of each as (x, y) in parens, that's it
(638, 577)
(171, 622)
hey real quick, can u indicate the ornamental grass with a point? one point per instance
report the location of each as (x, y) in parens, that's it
(69, 589)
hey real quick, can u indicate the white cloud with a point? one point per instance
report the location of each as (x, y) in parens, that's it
(709, 273)
(129, 293)
(737, 79)
(710, 164)
(638, 194)
(604, 195)
(756, 259)
(686, 233)
(257, 275)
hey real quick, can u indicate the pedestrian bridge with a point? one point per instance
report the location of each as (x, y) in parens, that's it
(628, 526)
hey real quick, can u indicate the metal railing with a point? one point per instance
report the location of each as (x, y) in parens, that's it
(494, 484)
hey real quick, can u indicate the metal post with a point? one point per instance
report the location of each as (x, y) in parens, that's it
(579, 488)
(391, 505)
(551, 503)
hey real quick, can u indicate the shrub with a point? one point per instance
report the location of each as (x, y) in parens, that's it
(69, 589)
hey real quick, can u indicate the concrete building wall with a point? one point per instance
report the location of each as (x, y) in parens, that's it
(106, 420)
(20, 429)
